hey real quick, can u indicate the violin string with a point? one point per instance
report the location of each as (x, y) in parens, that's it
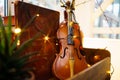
(103, 15)
(74, 17)
(83, 2)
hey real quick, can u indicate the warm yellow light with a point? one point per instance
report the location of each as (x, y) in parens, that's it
(57, 44)
(88, 65)
(37, 15)
(17, 30)
(109, 72)
(46, 38)
(74, 36)
(18, 42)
(71, 23)
(96, 57)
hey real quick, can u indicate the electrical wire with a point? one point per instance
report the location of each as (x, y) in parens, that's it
(110, 29)
(111, 73)
(83, 2)
(112, 70)
(104, 15)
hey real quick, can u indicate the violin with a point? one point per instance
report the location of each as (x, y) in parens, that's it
(69, 61)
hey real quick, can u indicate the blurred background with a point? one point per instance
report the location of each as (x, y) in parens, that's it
(99, 21)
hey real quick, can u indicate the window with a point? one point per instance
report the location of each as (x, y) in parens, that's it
(109, 21)
(51, 4)
(3, 7)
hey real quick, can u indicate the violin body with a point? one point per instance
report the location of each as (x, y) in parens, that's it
(70, 60)
(62, 65)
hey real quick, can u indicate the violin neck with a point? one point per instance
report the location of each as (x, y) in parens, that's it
(70, 28)
(70, 42)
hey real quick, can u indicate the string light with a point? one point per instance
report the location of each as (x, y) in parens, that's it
(37, 15)
(17, 30)
(96, 57)
(57, 44)
(74, 36)
(108, 72)
(18, 42)
(46, 38)
(88, 65)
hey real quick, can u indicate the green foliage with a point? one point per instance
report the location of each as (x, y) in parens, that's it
(11, 62)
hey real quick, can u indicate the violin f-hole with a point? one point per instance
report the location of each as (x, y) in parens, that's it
(64, 53)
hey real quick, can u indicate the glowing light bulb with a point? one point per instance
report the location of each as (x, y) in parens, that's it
(96, 57)
(18, 42)
(17, 30)
(37, 15)
(109, 72)
(57, 44)
(88, 65)
(46, 38)
(74, 36)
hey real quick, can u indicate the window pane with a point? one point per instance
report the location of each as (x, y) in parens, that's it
(110, 18)
(2, 7)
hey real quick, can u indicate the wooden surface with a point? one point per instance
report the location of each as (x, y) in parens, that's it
(47, 23)
(6, 20)
(92, 53)
(97, 71)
